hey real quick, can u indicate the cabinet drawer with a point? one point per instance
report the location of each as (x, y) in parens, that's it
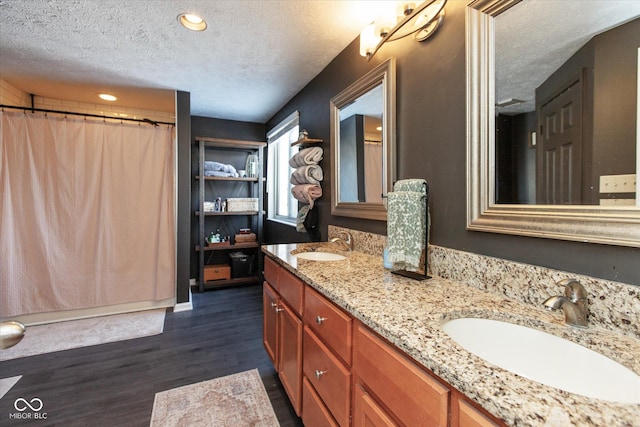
(468, 416)
(412, 395)
(330, 323)
(291, 288)
(217, 272)
(330, 379)
(271, 272)
(367, 413)
(314, 413)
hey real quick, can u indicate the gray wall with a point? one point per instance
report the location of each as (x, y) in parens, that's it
(183, 243)
(431, 140)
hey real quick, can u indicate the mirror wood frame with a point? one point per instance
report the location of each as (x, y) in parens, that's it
(593, 224)
(384, 74)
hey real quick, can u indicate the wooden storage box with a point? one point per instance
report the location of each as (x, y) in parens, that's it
(242, 204)
(217, 272)
(245, 238)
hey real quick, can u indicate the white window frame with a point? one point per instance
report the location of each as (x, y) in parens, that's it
(279, 172)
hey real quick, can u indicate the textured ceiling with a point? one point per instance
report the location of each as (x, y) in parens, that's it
(254, 56)
(534, 38)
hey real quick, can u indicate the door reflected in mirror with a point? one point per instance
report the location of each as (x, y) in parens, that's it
(363, 144)
(504, 192)
(565, 127)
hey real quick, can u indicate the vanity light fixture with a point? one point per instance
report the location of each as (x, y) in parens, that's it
(420, 19)
(509, 102)
(107, 97)
(192, 22)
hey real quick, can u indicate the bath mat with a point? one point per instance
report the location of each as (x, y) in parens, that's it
(59, 336)
(7, 383)
(231, 401)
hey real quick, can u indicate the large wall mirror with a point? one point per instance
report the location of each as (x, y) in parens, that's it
(363, 144)
(552, 119)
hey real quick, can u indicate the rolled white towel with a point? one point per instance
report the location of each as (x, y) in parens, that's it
(306, 156)
(307, 193)
(310, 174)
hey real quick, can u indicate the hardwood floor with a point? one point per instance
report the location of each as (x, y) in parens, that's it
(114, 384)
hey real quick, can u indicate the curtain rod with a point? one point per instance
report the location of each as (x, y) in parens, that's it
(71, 113)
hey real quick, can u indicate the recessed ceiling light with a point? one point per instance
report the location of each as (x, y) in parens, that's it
(107, 97)
(192, 22)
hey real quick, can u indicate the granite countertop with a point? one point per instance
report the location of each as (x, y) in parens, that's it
(409, 314)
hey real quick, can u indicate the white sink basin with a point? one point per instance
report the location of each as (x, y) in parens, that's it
(546, 358)
(320, 256)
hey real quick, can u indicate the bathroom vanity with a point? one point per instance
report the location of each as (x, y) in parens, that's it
(357, 345)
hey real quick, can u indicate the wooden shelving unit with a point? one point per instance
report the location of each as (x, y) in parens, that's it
(237, 151)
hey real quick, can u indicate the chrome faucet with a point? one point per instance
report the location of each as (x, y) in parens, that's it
(574, 303)
(346, 240)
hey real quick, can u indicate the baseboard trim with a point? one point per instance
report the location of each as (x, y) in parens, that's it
(184, 306)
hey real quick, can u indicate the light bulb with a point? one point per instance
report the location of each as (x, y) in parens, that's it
(368, 40)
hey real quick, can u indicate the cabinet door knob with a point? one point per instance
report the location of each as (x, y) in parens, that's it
(320, 373)
(278, 309)
(319, 320)
(274, 305)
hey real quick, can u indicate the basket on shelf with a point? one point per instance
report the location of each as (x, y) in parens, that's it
(242, 204)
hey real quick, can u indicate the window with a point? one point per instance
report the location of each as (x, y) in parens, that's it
(282, 206)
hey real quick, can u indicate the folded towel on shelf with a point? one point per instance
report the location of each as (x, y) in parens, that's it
(220, 173)
(306, 156)
(310, 174)
(406, 229)
(306, 193)
(211, 166)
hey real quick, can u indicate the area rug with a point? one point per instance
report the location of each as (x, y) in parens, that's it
(59, 336)
(7, 383)
(231, 401)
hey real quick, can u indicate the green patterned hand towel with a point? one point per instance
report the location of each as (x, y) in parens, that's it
(417, 185)
(406, 228)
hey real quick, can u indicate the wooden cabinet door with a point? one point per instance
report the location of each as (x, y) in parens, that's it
(270, 322)
(290, 356)
(367, 413)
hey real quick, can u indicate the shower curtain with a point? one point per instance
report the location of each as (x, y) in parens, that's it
(86, 213)
(373, 172)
